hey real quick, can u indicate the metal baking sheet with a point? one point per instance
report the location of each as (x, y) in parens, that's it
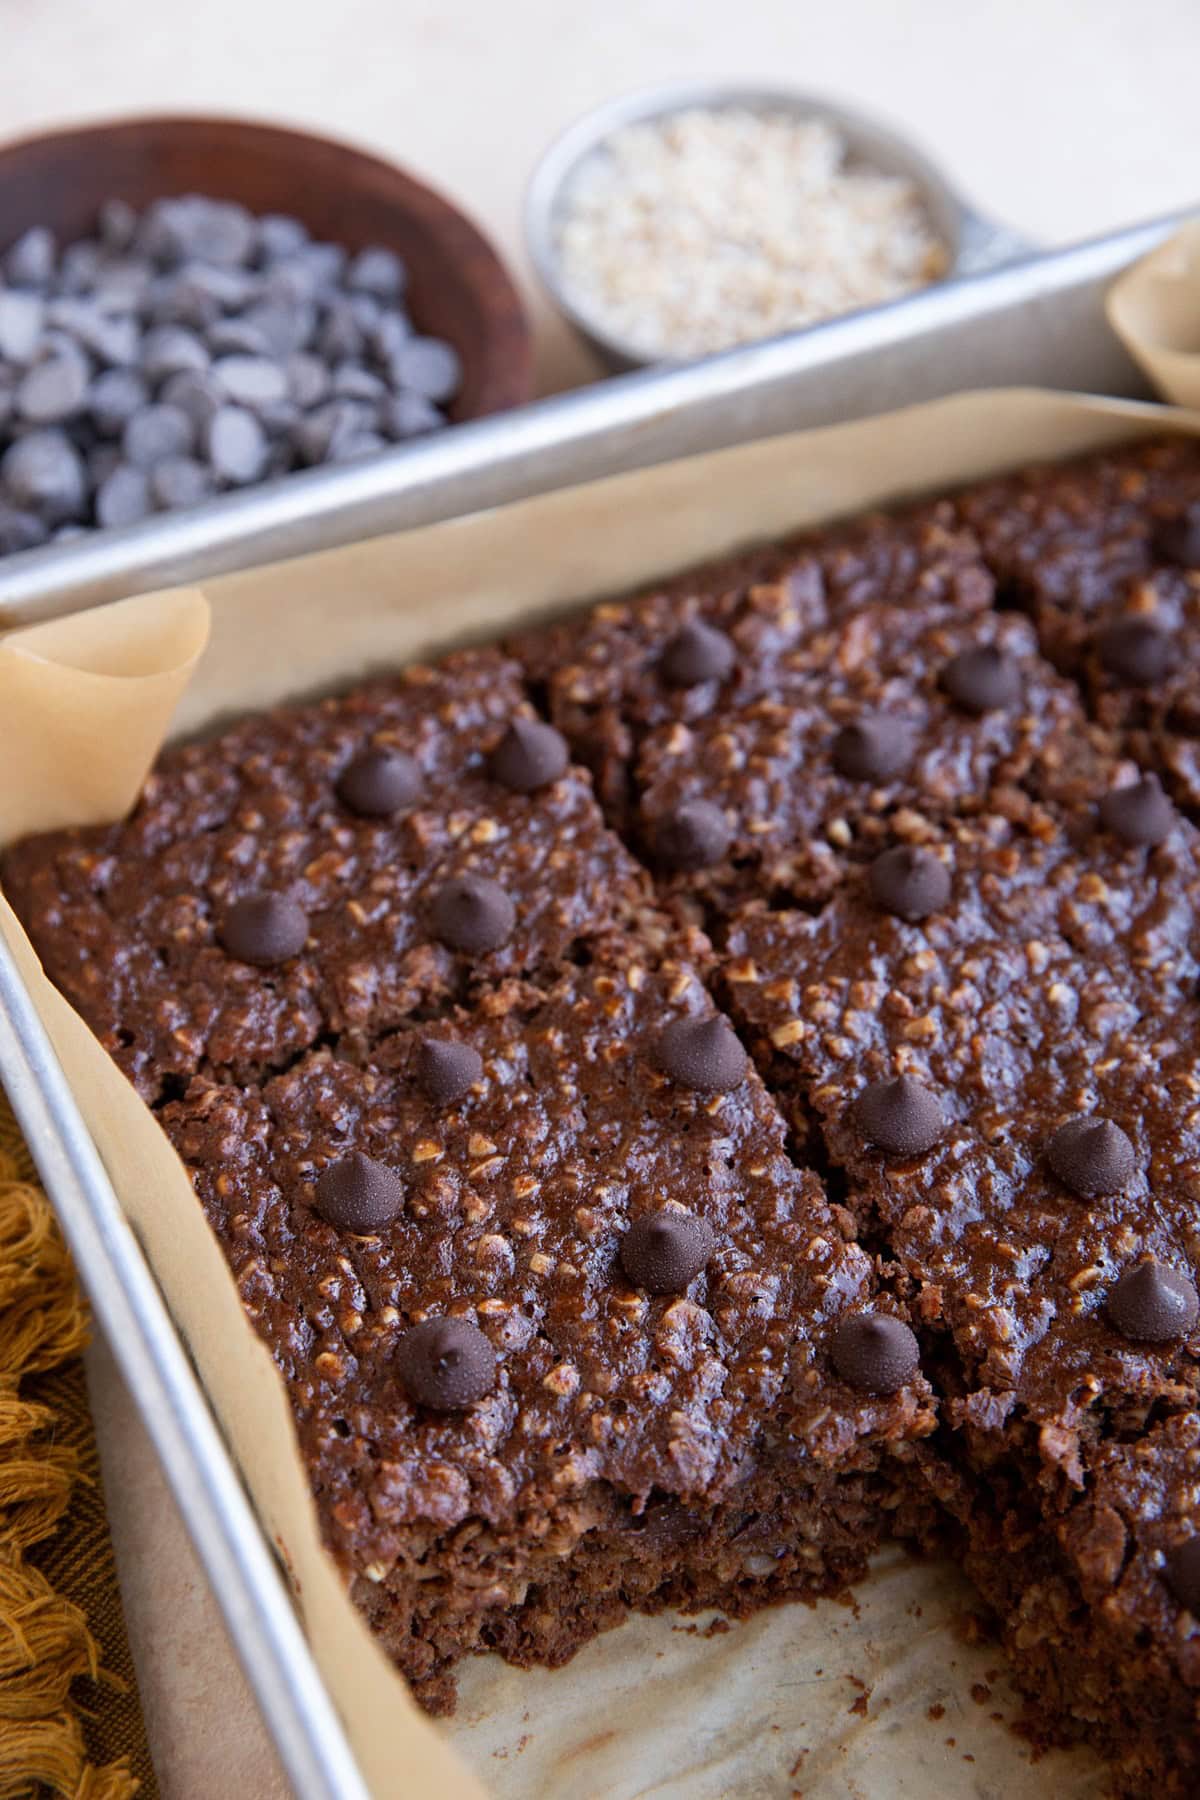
(1038, 321)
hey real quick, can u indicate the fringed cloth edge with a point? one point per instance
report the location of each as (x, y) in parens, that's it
(45, 1642)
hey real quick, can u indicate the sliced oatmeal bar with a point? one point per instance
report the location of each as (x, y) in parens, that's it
(995, 1047)
(1105, 554)
(677, 1384)
(300, 878)
(726, 634)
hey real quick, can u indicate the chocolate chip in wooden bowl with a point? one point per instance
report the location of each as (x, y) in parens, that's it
(180, 481)
(113, 398)
(124, 497)
(445, 1364)
(379, 782)
(663, 1252)
(155, 433)
(446, 1070)
(53, 390)
(196, 305)
(472, 914)
(428, 367)
(1153, 1303)
(697, 653)
(695, 836)
(236, 445)
(359, 1194)
(1092, 1156)
(704, 1054)
(900, 1116)
(1139, 813)
(875, 1352)
(910, 882)
(264, 929)
(529, 756)
(43, 473)
(873, 748)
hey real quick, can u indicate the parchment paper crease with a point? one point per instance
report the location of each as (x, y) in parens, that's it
(650, 1709)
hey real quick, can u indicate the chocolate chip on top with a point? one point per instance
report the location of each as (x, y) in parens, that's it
(696, 835)
(664, 1251)
(1182, 1573)
(910, 882)
(447, 1070)
(696, 653)
(873, 748)
(1092, 1156)
(358, 1194)
(1135, 651)
(1177, 539)
(1138, 813)
(982, 680)
(264, 929)
(1153, 1303)
(530, 755)
(445, 1364)
(901, 1116)
(704, 1054)
(379, 782)
(472, 914)
(875, 1353)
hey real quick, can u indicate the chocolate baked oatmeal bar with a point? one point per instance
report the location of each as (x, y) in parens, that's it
(653, 1291)
(564, 1328)
(1105, 554)
(655, 1193)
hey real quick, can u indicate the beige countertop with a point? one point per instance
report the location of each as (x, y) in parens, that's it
(1062, 118)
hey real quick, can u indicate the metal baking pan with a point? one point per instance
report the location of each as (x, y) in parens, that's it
(1040, 321)
(1037, 321)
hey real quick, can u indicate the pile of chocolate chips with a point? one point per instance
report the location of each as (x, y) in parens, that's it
(192, 349)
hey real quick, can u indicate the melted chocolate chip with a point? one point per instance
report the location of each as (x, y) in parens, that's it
(910, 882)
(472, 914)
(873, 749)
(1092, 1156)
(696, 654)
(982, 680)
(379, 782)
(445, 1364)
(664, 1251)
(446, 1070)
(696, 835)
(1135, 651)
(1177, 540)
(1139, 813)
(901, 1117)
(1153, 1304)
(264, 929)
(703, 1054)
(530, 755)
(358, 1194)
(875, 1353)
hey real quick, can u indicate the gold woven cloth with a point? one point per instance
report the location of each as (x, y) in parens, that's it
(70, 1724)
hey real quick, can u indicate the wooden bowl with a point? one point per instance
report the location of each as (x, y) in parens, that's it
(458, 288)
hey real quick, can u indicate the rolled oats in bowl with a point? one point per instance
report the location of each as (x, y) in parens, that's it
(699, 229)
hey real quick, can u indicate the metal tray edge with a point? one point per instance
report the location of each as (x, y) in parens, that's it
(217, 1513)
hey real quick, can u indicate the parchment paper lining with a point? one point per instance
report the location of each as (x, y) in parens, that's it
(92, 697)
(1154, 308)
